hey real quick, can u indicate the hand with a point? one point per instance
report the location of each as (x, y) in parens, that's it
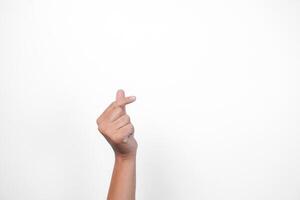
(115, 125)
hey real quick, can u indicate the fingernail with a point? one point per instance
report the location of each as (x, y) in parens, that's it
(133, 98)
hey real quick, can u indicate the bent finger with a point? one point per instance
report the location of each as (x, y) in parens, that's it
(121, 121)
(116, 113)
(127, 100)
(125, 132)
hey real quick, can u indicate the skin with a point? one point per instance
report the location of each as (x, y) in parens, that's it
(115, 125)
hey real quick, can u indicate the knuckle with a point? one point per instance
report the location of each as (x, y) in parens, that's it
(101, 129)
(98, 120)
(116, 138)
(131, 128)
(118, 110)
(101, 118)
(126, 118)
(117, 104)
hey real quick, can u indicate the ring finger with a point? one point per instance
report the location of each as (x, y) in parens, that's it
(122, 121)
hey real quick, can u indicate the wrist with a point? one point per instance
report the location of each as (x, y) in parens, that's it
(125, 157)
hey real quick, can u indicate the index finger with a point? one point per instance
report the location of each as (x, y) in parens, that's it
(127, 100)
(121, 103)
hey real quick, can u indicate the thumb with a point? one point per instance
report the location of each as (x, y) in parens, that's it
(120, 95)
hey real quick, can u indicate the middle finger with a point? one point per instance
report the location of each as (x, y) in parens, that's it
(116, 113)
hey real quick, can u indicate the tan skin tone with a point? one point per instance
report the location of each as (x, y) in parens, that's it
(115, 125)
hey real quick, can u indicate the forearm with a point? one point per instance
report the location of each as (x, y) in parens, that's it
(123, 181)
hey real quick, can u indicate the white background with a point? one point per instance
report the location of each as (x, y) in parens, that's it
(217, 114)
